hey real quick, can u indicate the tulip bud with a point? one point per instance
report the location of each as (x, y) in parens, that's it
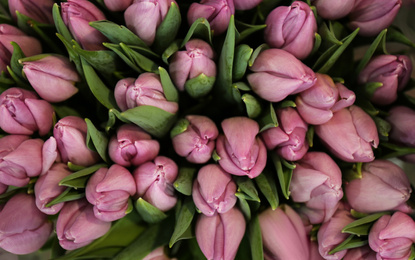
(373, 16)
(21, 112)
(391, 237)
(219, 235)
(47, 188)
(8, 33)
(109, 190)
(246, 4)
(38, 10)
(333, 9)
(363, 252)
(155, 180)
(70, 134)
(217, 12)
(197, 141)
(146, 90)
(117, 5)
(76, 15)
(77, 225)
(291, 28)
(240, 150)
(132, 146)
(23, 228)
(283, 234)
(317, 104)
(278, 74)
(358, 132)
(52, 77)
(288, 139)
(143, 17)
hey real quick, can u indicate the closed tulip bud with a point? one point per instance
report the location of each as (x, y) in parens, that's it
(283, 234)
(317, 104)
(358, 131)
(333, 9)
(288, 139)
(132, 146)
(391, 237)
(70, 134)
(246, 4)
(373, 16)
(47, 188)
(23, 228)
(117, 5)
(8, 33)
(360, 253)
(53, 77)
(383, 186)
(76, 15)
(109, 190)
(197, 141)
(217, 12)
(214, 190)
(146, 90)
(22, 112)
(291, 28)
(219, 235)
(77, 225)
(143, 17)
(155, 180)
(38, 10)
(277, 74)
(241, 151)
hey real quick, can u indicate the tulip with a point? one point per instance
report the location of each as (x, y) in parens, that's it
(8, 33)
(197, 141)
(317, 104)
(109, 190)
(219, 235)
(52, 77)
(333, 9)
(20, 159)
(143, 17)
(373, 16)
(155, 180)
(360, 253)
(283, 234)
(291, 28)
(277, 74)
(47, 188)
(314, 216)
(38, 10)
(23, 228)
(240, 150)
(214, 190)
(70, 134)
(197, 59)
(76, 15)
(146, 90)
(77, 225)
(132, 146)
(117, 5)
(358, 132)
(246, 4)
(288, 139)
(392, 71)
(217, 12)
(21, 112)
(383, 186)
(391, 237)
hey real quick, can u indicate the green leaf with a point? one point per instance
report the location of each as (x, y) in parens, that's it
(73, 56)
(247, 186)
(199, 29)
(268, 119)
(173, 48)
(199, 86)
(369, 53)
(116, 48)
(383, 127)
(168, 29)
(63, 111)
(103, 61)
(180, 126)
(255, 239)
(242, 55)
(249, 30)
(412, 256)
(362, 226)
(371, 87)
(184, 181)
(395, 35)
(59, 24)
(15, 65)
(317, 43)
(244, 206)
(351, 242)
(253, 106)
(148, 212)
(68, 195)
(78, 179)
(10, 193)
(268, 187)
(96, 140)
(328, 35)
(284, 175)
(184, 220)
(170, 91)
(139, 60)
(256, 52)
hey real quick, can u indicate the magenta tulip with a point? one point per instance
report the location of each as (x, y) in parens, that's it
(38, 10)
(246, 4)
(117, 5)
(333, 9)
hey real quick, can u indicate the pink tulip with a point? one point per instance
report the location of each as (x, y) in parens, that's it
(291, 28)
(117, 5)
(23, 228)
(277, 74)
(109, 190)
(360, 253)
(197, 142)
(132, 146)
(219, 235)
(155, 180)
(240, 150)
(333, 9)
(314, 216)
(246, 4)
(38, 10)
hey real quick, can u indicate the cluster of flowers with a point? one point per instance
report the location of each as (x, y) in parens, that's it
(85, 145)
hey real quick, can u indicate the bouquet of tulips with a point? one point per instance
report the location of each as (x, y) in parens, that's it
(212, 129)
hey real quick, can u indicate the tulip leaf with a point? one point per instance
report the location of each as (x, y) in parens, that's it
(351, 242)
(383, 127)
(369, 53)
(168, 29)
(371, 87)
(248, 29)
(244, 206)
(172, 49)
(113, 114)
(59, 24)
(18, 80)
(328, 35)
(256, 52)
(184, 181)
(310, 135)
(180, 126)
(183, 221)
(170, 91)
(395, 35)
(267, 186)
(412, 256)
(63, 111)
(103, 61)
(74, 168)
(317, 43)
(267, 119)
(78, 179)
(255, 239)
(73, 56)
(247, 186)
(139, 59)
(362, 226)
(284, 175)
(68, 195)
(199, 86)
(5, 82)
(253, 106)
(242, 55)
(15, 65)
(199, 29)
(10, 193)
(96, 140)
(148, 212)
(119, 51)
